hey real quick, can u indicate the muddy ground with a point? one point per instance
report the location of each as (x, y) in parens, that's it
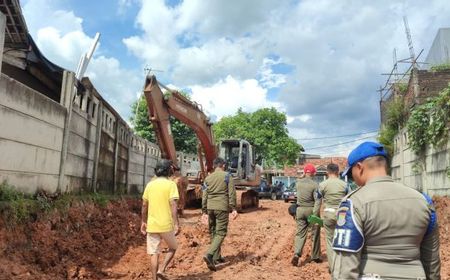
(91, 242)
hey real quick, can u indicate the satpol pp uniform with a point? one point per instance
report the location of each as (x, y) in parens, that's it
(385, 229)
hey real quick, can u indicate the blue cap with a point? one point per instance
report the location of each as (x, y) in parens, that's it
(363, 151)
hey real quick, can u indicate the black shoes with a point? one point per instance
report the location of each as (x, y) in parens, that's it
(209, 262)
(317, 260)
(294, 260)
(219, 260)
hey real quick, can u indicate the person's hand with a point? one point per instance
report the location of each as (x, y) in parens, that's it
(234, 214)
(144, 228)
(176, 229)
(204, 219)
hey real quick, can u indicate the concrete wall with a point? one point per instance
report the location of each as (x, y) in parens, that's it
(101, 152)
(31, 130)
(430, 174)
(81, 144)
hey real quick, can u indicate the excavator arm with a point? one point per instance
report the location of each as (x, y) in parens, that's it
(161, 107)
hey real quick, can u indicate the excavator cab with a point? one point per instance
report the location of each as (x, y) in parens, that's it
(240, 158)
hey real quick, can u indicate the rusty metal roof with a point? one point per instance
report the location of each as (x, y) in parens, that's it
(16, 27)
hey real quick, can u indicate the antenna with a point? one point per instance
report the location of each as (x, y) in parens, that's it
(148, 70)
(410, 43)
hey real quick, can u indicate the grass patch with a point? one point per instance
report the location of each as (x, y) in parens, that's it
(18, 207)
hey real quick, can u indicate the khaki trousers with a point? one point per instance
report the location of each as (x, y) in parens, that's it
(302, 229)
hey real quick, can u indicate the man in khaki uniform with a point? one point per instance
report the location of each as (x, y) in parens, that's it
(384, 229)
(306, 189)
(219, 198)
(331, 191)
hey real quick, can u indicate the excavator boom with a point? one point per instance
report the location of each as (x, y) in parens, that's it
(175, 104)
(238, 153)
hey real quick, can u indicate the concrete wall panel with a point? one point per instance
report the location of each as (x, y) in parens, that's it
(21, 128)
(30, 182)
(21, 98)
(21, 157)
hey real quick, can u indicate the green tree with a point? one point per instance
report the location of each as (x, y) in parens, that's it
(184, 137)
(395, 120)
(266, 130)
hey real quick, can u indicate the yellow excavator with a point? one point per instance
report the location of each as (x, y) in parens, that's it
(238, 153)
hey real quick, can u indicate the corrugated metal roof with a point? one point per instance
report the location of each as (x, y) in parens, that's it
(16, 28)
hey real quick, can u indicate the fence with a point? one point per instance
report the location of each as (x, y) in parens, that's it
(76, 146)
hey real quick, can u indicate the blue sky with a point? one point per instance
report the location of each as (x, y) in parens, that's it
(319, 61)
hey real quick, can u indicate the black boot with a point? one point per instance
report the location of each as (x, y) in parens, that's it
(295, 259)
(209, 262)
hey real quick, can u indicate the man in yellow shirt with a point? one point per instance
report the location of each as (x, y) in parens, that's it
(159, 215)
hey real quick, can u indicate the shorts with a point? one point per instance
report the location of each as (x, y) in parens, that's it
(154, 239)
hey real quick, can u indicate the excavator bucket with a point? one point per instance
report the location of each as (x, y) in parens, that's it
(247, 200)
(193, 196)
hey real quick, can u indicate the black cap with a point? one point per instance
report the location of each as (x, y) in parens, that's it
(163, 167)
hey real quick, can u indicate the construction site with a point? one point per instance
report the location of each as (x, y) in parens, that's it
(73, 170)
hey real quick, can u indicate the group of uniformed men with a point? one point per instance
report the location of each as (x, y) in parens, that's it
(382, 230)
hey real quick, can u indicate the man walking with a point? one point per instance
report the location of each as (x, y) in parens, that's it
(159, 216)
(385, 230)
(306, 200)
(219, 198)
(331, 191)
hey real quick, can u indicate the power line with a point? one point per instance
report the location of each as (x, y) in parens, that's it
(342, 143)
(337, 136)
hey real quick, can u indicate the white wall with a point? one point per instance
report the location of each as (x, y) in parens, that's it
(429, 175)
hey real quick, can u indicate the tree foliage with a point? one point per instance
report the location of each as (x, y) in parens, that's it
(395, 120)
(266, 130)
(184, 137)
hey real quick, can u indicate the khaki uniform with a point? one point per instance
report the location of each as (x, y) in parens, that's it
(219, 197)
(331, 191)
(306, 189)
(386, 230)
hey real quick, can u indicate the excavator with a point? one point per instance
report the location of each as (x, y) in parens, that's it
(238, 153)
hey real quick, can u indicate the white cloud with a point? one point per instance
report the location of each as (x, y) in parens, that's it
(228, 95)
(226, 52)
(63, 49)
(337, 50)
(269, 79)
(124, 5)
(44, 13)
(60, 36)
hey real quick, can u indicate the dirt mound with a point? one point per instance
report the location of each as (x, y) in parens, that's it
(91, 242)
(77, 244)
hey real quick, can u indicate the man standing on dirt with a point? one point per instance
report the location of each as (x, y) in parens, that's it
(385, 230)
(159, 216)
(331, 191)
(306, 200)
(219, 197)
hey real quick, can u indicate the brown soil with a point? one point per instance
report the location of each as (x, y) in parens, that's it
(104, 243)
